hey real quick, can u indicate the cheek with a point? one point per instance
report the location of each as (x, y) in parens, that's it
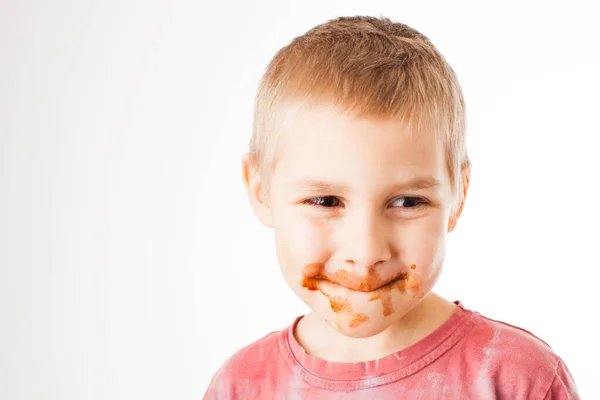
(424, 246)
(300, 247)
(285, 255)
(298, 253)
(303, 238)
(297, 271)
(430, 268)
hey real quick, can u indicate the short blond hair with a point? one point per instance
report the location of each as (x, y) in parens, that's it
(370, 67)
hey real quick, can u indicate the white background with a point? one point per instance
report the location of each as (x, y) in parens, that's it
(131, 264)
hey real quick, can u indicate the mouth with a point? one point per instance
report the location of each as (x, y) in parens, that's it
(401, 278)
(371, 284)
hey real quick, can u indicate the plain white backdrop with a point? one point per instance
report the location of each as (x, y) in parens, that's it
(131, 264)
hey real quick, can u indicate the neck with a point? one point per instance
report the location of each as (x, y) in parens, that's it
(318, 338)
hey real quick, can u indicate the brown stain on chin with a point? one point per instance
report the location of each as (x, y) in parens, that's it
(385, 293)
(375, 296)
(386, 297)
(400, 285)
(414, 283)
(386, 301)
(357, 320)
(338, 305)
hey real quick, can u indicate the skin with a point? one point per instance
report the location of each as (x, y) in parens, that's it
(366, 259)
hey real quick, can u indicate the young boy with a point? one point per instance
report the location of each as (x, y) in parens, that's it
(358, 162)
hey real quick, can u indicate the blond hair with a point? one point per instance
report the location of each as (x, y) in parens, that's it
(371, 67)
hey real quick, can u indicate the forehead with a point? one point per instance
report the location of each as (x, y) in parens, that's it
(322, 143)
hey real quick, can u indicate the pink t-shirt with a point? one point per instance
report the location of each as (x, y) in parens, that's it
(468, 357)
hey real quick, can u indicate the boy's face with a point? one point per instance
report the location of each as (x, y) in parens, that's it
(360, 213)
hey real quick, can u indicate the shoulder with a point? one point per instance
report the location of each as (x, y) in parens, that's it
(250, 360)
(247, 369)
(514, 362)
(515, 343)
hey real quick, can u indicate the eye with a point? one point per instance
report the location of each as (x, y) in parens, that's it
(412, 202)
(409, 203)
(325, 201)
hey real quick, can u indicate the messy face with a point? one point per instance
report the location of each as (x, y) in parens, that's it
(360, 210)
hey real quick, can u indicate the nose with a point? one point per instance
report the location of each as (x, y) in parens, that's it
(366, 241)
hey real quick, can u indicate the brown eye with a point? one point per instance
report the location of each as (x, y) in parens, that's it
(411, 202)
(326, 201)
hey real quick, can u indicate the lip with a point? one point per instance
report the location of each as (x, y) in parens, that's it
(314, 283)
(401, 277)
(382, 288)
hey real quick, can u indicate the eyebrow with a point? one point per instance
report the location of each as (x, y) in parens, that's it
(315, 185)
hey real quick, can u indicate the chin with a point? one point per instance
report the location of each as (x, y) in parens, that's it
(361, 333)
(354, 327)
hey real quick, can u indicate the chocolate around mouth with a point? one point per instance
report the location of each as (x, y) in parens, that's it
(371, 283)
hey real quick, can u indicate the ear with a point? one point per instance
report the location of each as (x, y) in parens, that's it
(466, 179)
(254, 188)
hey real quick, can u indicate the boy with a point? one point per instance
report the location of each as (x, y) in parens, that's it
(358, 162)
